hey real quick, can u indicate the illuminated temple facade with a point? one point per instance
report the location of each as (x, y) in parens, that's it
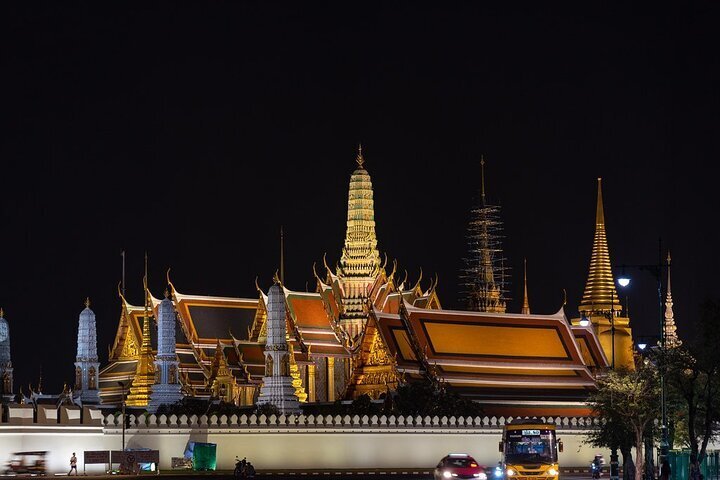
(362, 331)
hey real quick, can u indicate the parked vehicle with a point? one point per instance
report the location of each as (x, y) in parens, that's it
(460, 466)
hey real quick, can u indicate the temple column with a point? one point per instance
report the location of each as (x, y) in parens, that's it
(331, 378)
(311, 382)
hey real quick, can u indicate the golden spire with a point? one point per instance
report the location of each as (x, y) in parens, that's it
(144, 370)
(360, 261)
(526, 304)
(87, 302)
(670, 330)
(600, 294)
(2, 313)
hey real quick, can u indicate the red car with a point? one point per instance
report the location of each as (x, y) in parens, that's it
(459, 465)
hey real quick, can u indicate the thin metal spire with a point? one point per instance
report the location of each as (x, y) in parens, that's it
(360, 159)
(123, 272)
(526, 303)
(482, 179)
(282, 256)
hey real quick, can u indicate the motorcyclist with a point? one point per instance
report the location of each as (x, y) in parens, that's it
(240, 467)
(596, 465)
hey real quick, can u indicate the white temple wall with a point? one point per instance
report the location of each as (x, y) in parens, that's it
(292, 442)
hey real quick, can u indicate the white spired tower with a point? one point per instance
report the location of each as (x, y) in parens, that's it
(166, 389)
(6, 368)
(86, 362)
(277, 386)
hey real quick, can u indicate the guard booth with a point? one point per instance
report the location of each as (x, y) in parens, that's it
(679, 461)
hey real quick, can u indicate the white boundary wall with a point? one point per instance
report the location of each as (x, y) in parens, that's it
(293, 442)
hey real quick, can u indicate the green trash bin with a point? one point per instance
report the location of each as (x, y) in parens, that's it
(204, 456)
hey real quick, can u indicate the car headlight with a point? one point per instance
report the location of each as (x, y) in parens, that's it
(481, 475)
(447, 474)
(552, 471)
(498, 472)
(510, 472)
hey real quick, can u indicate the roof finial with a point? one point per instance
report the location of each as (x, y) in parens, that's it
(145, 283)
(2, 313)
(482, 179)
(360, 159)
(282, 256)
(599, 212)
(167, 293)
(87, 302)
(526, 303)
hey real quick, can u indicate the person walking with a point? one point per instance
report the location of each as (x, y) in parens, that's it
(73, 464)
(665, 470)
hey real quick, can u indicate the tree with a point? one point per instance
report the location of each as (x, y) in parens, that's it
(628, 399)
(612, 432)
(692, 376)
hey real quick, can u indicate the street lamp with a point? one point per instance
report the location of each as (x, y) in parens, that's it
(124, 391)
(656, 271)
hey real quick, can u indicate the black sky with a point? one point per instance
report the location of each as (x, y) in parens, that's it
(193, 131)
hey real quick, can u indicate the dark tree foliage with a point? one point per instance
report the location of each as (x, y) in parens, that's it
(194, 406)
(692, 376)
(425, 398)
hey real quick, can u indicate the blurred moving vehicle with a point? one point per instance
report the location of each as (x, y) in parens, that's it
(27, 462)
(530, 450)
(459, 465)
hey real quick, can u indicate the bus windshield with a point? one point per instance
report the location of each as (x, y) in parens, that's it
(530, 446)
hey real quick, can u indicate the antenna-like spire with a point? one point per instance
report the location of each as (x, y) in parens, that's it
(482, 179)
(145, 283)
(282, 256)
(123, 272)
(526, 304)
(360, 159)
(87, 302)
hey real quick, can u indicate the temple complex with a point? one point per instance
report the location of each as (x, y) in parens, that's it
(362, 331)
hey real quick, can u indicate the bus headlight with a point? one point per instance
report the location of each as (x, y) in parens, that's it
(551, 471)
(447, 474)
(510, 472)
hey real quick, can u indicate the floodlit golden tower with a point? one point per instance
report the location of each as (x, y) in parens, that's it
(600, 294)
(600, 303)
(360, 261)
(141, 387)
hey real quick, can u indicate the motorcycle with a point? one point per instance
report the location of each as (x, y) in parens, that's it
(243, 469)
(595, 468)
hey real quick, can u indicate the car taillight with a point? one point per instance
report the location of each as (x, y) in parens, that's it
(473, 464)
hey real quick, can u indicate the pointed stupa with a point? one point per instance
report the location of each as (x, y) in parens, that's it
(670, 330)
(600, 294)
(277, 388)
(526, 303)
(360, 261)
(6, 368)
(167, 388)
(87, 365)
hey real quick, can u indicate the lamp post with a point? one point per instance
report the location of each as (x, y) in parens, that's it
(656, 271)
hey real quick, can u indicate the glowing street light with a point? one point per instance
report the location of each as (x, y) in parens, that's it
(624, 281)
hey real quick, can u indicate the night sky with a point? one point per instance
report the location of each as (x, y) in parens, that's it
(194, 131)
